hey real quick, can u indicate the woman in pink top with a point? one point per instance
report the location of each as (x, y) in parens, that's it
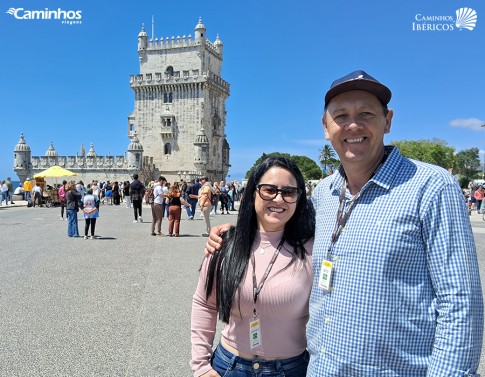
(259, 283)
(479, 194)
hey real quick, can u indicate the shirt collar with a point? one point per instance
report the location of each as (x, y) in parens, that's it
(384, 174)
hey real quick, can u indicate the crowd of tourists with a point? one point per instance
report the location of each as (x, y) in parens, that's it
(164, 199)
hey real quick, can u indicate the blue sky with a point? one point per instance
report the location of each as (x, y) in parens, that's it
(69, 84)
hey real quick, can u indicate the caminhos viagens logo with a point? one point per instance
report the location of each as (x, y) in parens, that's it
(465, 18)
(65, 16)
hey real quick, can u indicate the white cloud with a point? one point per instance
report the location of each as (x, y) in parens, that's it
(474, 124)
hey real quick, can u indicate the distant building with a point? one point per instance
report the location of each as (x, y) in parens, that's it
(177, 127)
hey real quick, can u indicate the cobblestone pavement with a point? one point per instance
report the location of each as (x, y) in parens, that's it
(118, 305)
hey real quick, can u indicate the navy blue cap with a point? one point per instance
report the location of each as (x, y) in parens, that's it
(359, 80)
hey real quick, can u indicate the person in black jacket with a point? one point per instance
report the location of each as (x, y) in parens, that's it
(73, 197)
(137, 191)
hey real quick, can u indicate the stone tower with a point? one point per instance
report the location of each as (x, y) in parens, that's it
(21, 161)
(179, 115)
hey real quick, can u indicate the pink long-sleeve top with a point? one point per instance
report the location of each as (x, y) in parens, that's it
(282, 306)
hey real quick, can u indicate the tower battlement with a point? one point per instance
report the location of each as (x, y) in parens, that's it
(186, 77)
(181, 43)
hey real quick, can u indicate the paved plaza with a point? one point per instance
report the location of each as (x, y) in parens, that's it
(118, 305)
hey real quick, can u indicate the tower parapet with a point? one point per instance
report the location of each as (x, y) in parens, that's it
(187, 77)
(87, 166)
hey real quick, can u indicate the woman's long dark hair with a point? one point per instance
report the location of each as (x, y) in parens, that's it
(228, 266)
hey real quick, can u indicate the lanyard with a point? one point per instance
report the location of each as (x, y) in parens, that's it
(341, 216)
(257, 288)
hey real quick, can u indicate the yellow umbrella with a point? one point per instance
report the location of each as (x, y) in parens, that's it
(54, 172)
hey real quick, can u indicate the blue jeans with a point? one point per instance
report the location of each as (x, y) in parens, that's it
(193, 205)
(72, 229)
(187, 209)
(228, 365)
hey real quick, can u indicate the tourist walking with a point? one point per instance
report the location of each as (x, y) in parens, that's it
(156, 202)
(27, 189)
(73, 197)
(224, 199)
(37, 195)
(109, 194)
(137, 192)
(259, 283)
(215, 197)
(205, 203)
(165, 205)
(232, 197)
(479, 195)
(175, 200)
(193, 197)
(116, 193)
(61, 193)
(4, 192)
(9, 184)
(126, 194)
(184, 190)
(90, 213)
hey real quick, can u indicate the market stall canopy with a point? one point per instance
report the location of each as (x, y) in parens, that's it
(54, 172)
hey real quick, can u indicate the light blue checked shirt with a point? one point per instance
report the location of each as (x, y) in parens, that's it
(406, 298)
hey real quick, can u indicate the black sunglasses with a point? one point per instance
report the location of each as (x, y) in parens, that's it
(269, 192)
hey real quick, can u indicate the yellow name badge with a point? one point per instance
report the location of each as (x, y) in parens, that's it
(255, 332)
(325, 279)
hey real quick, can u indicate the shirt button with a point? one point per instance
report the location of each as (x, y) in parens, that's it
(256, 365)
(335, 258)
(322, 351)
(328, 320)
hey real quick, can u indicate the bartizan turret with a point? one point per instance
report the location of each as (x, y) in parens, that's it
(135, 154)
(200, 32)
(201, 145)
(21, 162)
(142, 44)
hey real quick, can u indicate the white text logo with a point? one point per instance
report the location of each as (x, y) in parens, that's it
(466, 18)
(66, 16)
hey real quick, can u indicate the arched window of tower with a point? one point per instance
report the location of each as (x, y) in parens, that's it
(169, 70)
(167, 149)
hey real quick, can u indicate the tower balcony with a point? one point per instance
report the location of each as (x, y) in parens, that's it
(167, 132)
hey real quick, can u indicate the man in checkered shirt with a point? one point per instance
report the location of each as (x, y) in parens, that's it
(397, 288)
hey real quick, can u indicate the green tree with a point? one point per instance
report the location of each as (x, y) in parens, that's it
(433, 151)
(308, 167)
(467, 165)
(328, 159)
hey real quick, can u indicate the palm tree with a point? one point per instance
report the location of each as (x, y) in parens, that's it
(327, 158)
